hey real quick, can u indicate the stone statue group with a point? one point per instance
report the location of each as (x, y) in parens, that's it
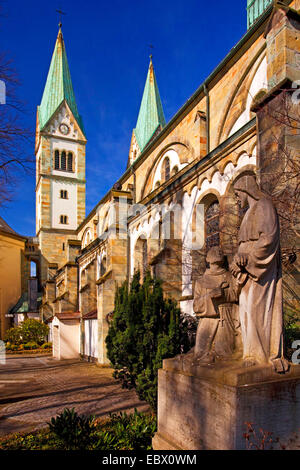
(240, 308)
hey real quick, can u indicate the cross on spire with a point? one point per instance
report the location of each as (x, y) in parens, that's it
(60, 12)
(151, 47)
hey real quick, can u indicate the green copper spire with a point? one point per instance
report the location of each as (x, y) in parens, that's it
(58, 85)
(151, 114)
(255, 9)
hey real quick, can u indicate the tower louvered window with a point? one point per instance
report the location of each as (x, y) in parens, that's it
(63, 161)
(56, 158)
(70, 161)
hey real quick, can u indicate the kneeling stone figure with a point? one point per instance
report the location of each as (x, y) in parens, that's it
(216, 296)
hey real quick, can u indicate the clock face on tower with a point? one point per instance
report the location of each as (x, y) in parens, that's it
(64, 129)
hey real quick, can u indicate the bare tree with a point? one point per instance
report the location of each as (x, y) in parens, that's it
(280, 166)
(279, 172)
(14, 137)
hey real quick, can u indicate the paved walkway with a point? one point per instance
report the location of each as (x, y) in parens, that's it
(33, 389)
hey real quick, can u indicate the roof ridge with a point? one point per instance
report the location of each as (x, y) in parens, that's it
(6, 228)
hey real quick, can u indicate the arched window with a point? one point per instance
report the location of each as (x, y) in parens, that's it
(141, 256)
(88, 238)
(63, 194)
(70, 161)
(145, 257)
(64, 219)
(166, 169)
(63, 161)
(56, 160)
(212, 225)
(33, 269)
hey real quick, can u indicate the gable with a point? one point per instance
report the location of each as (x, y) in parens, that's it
(64, 116)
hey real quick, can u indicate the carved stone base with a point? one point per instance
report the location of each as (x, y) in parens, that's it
(207, 406)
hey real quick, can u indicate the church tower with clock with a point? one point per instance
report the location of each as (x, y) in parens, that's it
(60, 163)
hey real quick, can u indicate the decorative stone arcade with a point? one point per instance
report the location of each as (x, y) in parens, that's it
(206, 396)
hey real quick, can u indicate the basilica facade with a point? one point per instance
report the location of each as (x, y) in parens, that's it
(175, 199)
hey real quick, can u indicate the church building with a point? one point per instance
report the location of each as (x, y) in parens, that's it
(178, 173)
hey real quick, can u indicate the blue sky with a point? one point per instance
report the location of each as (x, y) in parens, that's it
(107, 46)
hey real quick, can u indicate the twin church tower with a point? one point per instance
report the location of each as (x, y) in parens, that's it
(61, 154)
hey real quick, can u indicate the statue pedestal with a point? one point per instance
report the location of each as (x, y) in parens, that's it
(205, 407)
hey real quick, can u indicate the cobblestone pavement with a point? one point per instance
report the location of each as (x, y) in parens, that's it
(33, 389)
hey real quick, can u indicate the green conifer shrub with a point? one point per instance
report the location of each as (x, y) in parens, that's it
(146, 328)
